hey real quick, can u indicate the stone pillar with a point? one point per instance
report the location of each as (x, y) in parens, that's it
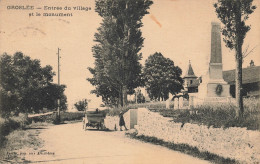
(176, 103)
(191, 102)
(168, 101)
(168, 104)
(133, 118)
(181, 102)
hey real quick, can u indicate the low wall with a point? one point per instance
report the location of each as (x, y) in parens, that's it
(234, 143)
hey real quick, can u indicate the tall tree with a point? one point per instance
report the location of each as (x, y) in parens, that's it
(117, 52)
(162, 77)
(233, 14)
(25, 86)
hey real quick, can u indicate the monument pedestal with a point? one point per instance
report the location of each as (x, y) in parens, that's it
(217, 88)
(213, 92)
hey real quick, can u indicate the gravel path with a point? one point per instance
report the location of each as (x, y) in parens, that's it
(69, 143)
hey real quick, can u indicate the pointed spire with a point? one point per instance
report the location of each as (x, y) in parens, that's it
(190, 72)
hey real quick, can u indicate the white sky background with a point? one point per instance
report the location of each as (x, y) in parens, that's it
(179, 29)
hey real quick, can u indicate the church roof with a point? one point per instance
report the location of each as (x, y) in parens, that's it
(190, 72)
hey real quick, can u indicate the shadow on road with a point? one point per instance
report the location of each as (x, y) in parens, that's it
(106, 130)
(34, 128)
(64, 159)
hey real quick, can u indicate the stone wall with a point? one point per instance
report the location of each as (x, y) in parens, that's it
(234, 143)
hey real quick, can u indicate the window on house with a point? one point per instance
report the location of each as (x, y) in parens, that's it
(190, 81)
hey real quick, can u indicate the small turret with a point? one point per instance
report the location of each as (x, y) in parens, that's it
(190, 82)
(190, 72)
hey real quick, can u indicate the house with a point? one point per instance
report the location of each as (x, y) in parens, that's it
(250, 80)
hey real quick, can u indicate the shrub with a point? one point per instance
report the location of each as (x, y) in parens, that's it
(21, 120)
(71, 116)
(8, 125)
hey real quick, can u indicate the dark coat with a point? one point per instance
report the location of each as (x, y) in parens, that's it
(121, 120)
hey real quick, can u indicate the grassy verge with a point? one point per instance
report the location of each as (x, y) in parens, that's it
(8, 125)
(19, 139)
(218, 115)
(193, 151)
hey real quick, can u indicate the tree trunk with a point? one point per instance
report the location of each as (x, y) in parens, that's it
(120, 98)
(239, 96)
(238, 47)
(124, 95)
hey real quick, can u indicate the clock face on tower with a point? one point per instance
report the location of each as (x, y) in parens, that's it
(219, 89)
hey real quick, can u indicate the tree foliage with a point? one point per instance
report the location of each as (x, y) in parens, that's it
(161, 77)
(117, 50)
(102, 88)
(26, 87)
(81, 105)
(233, 14)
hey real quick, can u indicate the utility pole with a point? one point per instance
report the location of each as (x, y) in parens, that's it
(58, 83)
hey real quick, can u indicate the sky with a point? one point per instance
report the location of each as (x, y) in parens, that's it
(179, 29)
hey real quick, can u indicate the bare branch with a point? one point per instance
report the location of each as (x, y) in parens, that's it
(245, 50)
(245, 54)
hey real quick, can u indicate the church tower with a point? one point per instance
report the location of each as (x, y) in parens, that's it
(190, 84)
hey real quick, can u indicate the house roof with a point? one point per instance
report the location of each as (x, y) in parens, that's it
(249, 75)
(190, 72)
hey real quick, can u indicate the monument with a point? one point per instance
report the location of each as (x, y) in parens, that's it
(213, 88)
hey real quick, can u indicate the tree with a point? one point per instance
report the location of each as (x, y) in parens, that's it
(25, 86)
(233, 14)
(102, 88)
(81, 105)
(161, 77)
(50, 95)
(117, 52)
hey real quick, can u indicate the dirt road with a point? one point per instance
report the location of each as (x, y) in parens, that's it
(69, 143)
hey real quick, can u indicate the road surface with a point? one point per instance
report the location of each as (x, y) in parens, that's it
(69, 143)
